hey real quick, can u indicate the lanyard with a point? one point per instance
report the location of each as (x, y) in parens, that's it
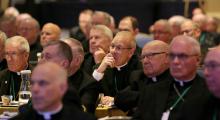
(202, 39)
(179, 98)
(12, 87)
(214, 117)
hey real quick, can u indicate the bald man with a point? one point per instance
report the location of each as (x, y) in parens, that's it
(49, 32)
(155, 69)
(168, 100)
(48, 88)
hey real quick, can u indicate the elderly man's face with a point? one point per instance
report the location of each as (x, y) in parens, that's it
(48, 33)
(161, 33)
(183, 60)
(28, 30)
(16, 59)
(154, 60)
(98, 40)
(46, 91)
(212, 70)
(121, 49)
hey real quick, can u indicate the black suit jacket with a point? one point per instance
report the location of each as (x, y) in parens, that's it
(3, 64)
(155, 98)
(88, 63)
(66, 113)
(127, 99)
(7, 78)
(116, 80)
(86, 87)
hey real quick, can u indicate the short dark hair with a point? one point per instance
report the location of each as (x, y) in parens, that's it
(134, 21)
(64, 49)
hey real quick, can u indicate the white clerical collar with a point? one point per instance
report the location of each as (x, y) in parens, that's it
(154, 79)
(47, 115)
(181, 82)
(119, 67)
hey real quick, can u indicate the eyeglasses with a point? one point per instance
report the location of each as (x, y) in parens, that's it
(181, 56)
(186, 31)
(211, 66)
(12, 54)
(150, 55)
(118, 48)
(160, 32)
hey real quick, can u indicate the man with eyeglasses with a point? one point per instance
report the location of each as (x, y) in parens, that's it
(162, 31)
(16, 54)
(115, 68)
(211, 72)
(206, 39)
(155, 69)
(169, 100)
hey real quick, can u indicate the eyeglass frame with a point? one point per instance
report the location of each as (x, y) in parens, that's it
(119, 48)
(180, 56)
(150, 55)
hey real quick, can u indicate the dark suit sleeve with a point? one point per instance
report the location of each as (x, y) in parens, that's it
(89, 97)
(127, 99)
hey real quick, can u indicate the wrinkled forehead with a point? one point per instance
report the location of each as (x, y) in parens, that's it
(213, 56)
(122, 40)
(179, 46)
(153, 49)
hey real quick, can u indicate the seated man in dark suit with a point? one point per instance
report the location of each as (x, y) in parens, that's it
(100, 38)
(166, 100)
(115, 68)
(154, 58)
(211, 73)
(3, 63)
(85, 85)
(48, 86)
(29, 28)
(16, 54)
(59, 52)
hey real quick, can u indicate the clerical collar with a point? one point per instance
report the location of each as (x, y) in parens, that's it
(154, 79)
(182, 82)
(119, 67)
(47, 115)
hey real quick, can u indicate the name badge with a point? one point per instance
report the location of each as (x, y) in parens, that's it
(165, 115)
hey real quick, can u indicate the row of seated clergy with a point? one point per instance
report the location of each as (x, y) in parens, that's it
(186, 90)
(155, 69)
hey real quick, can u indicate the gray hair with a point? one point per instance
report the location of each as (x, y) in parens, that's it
(21, 41)
(106, 31)
(190, 41)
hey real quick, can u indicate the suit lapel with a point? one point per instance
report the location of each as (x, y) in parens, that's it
(161, 94)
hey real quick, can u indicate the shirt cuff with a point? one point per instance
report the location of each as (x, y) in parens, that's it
(98, 76)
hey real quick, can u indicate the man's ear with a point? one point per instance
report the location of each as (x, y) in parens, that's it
(63, 88)
(136, 31)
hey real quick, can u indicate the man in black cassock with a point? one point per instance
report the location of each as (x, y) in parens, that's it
(84, 84)
(154, 58)
(169, 100)
(48, 88)
(115, 68)
(16, 54)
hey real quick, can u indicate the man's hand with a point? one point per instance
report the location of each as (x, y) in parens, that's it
(99, 55)
(107, 61)
(107, 100)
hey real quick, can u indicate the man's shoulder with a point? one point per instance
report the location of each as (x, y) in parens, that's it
(70, 113)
